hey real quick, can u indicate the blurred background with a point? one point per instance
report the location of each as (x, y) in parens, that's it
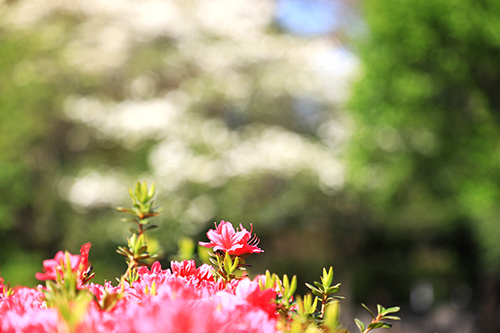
(362, 135)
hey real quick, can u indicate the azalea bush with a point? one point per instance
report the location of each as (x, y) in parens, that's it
(216, 296)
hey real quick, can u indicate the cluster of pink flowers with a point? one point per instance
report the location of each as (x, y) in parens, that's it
(184, 298)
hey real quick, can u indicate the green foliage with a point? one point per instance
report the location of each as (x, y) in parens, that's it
(324, 290)
(425, 148)
(377, 321)
(302, 316)
(138, 253)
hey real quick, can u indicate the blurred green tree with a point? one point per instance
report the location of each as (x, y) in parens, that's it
(28, 103)
(425, 152)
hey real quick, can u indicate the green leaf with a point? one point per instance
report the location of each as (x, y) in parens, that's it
(391, 310)
(335, 297)
(144, 221)
(380, 309)
(332, 290)
(319, 286)
(235, 264)
(286, 282)
(228, 263)
(125, 251)
(151, 227)
(379, 324)
(360, 325)
(328, 277)
(144, 192)
(332, 314)
(142, 249)
(367, 309)
(131, 193)
(317, 293)
(310, 286)
(293, 285)
(390, 317)
(137, 191)
(152, 191)
(315, 290)
(143, 257)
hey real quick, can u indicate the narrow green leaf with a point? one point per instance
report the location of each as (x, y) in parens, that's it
(319, 285)
(143, 257)
(124, 250)
(315, 290)
(390, 317)
(317, 293)
(293, 285)
(376, 324)
(332, 290)
(228, 263)
(137, 191)
(152, 190)
(379, 324)
(314, 305)
(338, 297)
(360, 325)
(144, 192)
(142, 249)
(391, 310)
(307, 302)
(235, 264)
(332, 314)
(367, 309)
(286, 282)
(310, 286)
(380, 309)
(131, 193)
(329, 277)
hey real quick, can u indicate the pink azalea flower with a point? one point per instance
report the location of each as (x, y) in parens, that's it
(25, 311)
(2, 288)
(79, 264)
(184, 268)
(225, 238)
(52, 266)
(256, 298)
(84, 271)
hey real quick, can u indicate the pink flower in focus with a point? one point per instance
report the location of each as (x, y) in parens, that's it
(225, 238)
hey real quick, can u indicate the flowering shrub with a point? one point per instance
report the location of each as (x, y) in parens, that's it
(183, 298)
